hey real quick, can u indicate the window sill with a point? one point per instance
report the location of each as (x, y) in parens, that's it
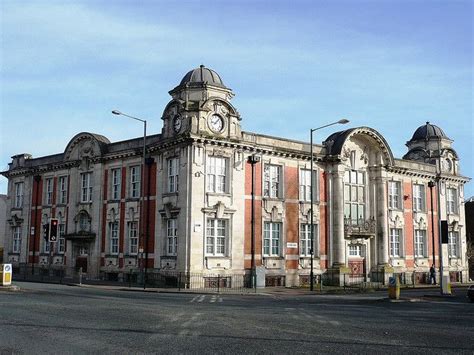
(217, 257)
(17, 208)
(132, 199)
(85, 203)
(210, 193)
(279, 199)
(273, 257)
(167, 194)
(61, 205)
(111, 255)
(113, 200)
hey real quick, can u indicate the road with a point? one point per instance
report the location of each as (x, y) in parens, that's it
(44, 318)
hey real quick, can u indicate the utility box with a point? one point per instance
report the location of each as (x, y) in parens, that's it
(393, 288)
(6, 274)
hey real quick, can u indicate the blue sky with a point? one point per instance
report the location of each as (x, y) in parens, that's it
(293, 65)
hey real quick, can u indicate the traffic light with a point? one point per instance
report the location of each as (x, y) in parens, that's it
(53, 230)
(46, 231)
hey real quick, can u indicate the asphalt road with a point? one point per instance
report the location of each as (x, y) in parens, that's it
(44, 318)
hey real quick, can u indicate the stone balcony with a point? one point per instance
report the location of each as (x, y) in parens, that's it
(359, 228)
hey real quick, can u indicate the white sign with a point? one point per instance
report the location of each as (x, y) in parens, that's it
(197, 227)
(292, 245)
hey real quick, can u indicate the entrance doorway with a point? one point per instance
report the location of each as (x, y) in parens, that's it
(81, 252)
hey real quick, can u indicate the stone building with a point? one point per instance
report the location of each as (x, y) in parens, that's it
(188, 205)
(3, 217)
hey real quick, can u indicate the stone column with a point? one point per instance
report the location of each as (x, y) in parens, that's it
(338, 219)
(382, 220)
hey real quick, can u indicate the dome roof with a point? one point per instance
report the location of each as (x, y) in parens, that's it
(428, 131)
(202, 75)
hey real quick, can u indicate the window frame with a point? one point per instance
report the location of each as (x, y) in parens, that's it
(61, 238)
(453, 236)
(62, 189)
(172, 169)
(116, 183)
(19, 193)
(86, 187)
(305, 185)
(135, 181)
(420, 233)
(419, 198)
(216, 182)
(451, 200)
(217, 238)
(114, 238)
(305, 239)
(355, 204)
(270, 242)
(132, 236)
(172, 237)
(395, 195)
(392, 243)
(16, 240)
(269, 191)
(49, 183)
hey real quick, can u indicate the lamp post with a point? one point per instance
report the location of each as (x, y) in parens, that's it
(142, 182)
(311, 250)
(432, 184)
(253, 159)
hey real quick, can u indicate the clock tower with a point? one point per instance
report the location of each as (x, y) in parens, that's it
(200, 106)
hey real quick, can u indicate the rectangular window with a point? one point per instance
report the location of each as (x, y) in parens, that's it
(418, 198)
(114, 237)
(19, 195)
(395, 242)
(86, 187)
(272, 181)
(116, 180)
(46, 245)
(453, 245)
(452, 201)
(271, 239)
(173, 174)
(62, 239)
(135, 181)
(17, 239)
(49, 191)
(216, 235)
(354, 197)
(305, 239)
(132, 238)
(420, 243)
(172, 236)
(216, 174)
(394, 195)
(305, 185)
(62, 186)
(355, 250)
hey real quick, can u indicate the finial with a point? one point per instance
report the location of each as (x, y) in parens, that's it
(201, 66)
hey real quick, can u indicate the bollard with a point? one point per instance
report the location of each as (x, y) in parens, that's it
(80, 276)
(393, 288)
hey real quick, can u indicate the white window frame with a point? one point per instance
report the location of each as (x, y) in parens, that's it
(305, 185)
(49, 191)
(16, 247)
(354, 186)
(272, 181)
(172, 237)
(453, 244)
(132, 234)
(451, 200)
(420, 243)
(419, 198)
(272, 239)
(395, 242)
(217, 231)
(305, 239)
(116, 183)
(114, 238)
(173, 174)
(217, 174)
(19, 188)
(395, 195)
(355, 250)
(135, 180)
(62, 189)
(86, 187)
(61, 239)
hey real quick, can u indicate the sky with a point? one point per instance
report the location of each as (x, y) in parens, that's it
(293, 65)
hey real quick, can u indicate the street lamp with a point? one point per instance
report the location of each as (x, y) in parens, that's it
(253, 159)
(311, 251)
(142, 202)
(432, 184)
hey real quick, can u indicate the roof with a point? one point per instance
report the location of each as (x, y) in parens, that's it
(428, 131)
(202, 75)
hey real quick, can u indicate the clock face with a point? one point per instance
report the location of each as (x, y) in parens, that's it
(177, 124)
(216, 123)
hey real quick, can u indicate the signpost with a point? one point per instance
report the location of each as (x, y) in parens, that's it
(6, 275)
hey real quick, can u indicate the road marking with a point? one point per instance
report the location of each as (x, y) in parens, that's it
(201, 298)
